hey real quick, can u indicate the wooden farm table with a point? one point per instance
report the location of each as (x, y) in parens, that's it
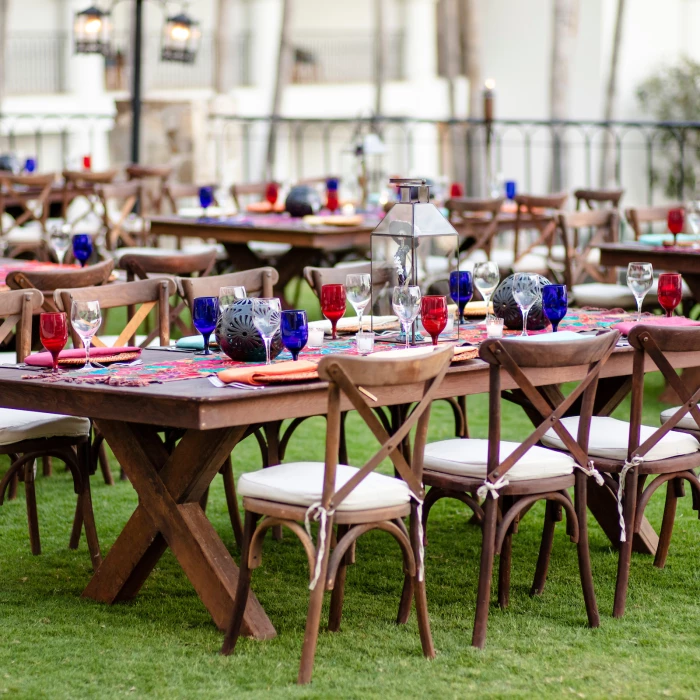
(170, 485)
(676, 259)
(309, 244)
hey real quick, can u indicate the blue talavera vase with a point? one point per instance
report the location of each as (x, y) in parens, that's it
(239, 338)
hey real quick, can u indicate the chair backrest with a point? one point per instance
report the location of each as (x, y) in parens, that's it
(536, 210)
(124, 196)
(514, 356)
(656, 342)
(318, 276)
(258, 282)
(247, 189)
(601, 197)
(174, 191)
(636, 216)
(50, 280)
(346, 375)
(150, 294)
(82, 178)
(476, 220)
(16, 311)
(179, 264)
(603, 226)
(25, 188)
(153, 191)
(528, 202)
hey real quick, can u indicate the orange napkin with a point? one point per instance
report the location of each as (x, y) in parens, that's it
(259, 374)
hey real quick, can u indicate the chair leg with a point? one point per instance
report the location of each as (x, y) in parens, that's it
(343, 447)
(420, 596)
(625, 556)
(584, 553)
(462, 401)
(667, 524)
(504, 565)
(232, 501)
(104, 465)
(313, 618)
(545, 549)
(272, 435)
(12, 491)
(88, 513)
(338, 593)
(77, 524)
(32, 513)
(483, 597)
(234, 627)
(46, 465)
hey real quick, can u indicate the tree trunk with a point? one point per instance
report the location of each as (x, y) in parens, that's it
(565, 29)
(222, 57)
(379, 55)
(607, 164)
(4, 9)
(284, 66)
(471, 42)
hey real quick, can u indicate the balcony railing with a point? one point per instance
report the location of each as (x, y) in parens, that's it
(343, 58)
(35, 63)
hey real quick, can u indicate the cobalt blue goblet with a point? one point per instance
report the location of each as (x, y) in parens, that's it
(555, 303)
(510, 189)
(205, 315)
(295, 331)
(82, 248)
(206, 199)
(30, 165)
(461, 289)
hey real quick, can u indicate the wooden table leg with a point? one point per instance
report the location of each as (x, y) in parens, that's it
(169, 515)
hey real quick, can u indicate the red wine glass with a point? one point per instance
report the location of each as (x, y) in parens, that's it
(675, 221)
(53, 331)
(272, 191)
(333, 304)
(670, 291)
(332, 199)
(434, 315)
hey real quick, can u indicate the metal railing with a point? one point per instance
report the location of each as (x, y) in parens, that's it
(348, 57)
(35, 63)
(651, 159)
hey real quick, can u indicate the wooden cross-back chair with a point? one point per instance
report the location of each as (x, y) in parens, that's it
(596, 199)
(27, 435)
(476, 221)
(50, 280)
(536, 212)
(124, 196)
(632, 452)
(29, 194)
(175, 191)
(356, 500)
(637, 216)
(154, 179)
(144, 265)
(247, 189)
(82, 183)
(580, 263)
(258, 282)
(512, 476)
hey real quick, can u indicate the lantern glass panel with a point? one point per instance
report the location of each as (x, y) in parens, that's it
(92, 30)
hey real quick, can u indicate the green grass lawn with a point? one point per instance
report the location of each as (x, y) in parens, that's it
(53, 644)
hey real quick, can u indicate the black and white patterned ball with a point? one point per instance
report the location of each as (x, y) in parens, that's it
(505, 307)
(239, 338)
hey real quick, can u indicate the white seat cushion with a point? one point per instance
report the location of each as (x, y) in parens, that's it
(469, 458)
(8, 358)
(109, 340)
(607, 296)
(16, 426)
(301, 484)
(687, 422)
(531, 263)
(609, 438)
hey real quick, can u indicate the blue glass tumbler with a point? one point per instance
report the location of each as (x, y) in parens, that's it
(30, 165)
(206, 199)
(461, 289)
(82, 248)
(555, 303)
(511, 189)
(295, 331)
(205, 314)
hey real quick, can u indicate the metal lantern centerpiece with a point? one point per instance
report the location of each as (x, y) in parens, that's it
(411, 234)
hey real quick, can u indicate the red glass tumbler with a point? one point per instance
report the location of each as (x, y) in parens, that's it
(434, 315)
(333, 304)
(670, 291)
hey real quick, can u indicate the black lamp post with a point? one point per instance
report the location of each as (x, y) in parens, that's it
(180, 42)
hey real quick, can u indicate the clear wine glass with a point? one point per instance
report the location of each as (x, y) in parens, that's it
(228, 295)
(266, 319)
(640, 278)
(406, 303)
(359, 290)
(526, 290)
(486, 277)
(60, 242)
(86, 318)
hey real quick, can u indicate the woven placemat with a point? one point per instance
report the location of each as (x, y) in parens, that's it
(104, 360)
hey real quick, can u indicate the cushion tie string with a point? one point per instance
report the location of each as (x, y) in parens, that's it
(492, 488)
(317, 512)
(636, 461)
(592, 471)
(421, 546)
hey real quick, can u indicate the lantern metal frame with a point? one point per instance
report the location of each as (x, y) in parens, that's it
(181, 48)
(92, 30)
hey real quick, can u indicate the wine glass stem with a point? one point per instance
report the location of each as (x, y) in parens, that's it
(407, 332)
(267, 350)
(86, 343)
(486, 299)
(525, 312)
(639, 309)
(206, 337)
(359, 319)
(54, 357)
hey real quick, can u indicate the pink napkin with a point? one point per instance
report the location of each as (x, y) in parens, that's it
(43, 359)
(626, 326)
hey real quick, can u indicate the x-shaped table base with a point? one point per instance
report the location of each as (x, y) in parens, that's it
(169, 487)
